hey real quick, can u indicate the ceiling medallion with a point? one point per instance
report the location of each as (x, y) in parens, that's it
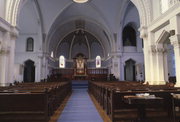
(80, 1)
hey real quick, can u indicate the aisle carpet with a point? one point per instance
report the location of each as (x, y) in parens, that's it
(80, 108)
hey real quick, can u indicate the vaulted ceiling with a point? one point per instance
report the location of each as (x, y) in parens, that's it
(102, 18)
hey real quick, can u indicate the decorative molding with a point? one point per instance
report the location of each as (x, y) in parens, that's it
(175, 40)
(14, 33)
(4, 51)
(163, 37)
(116, 54)
(149, 13)
(160, 50)
(143, 32)
(157, 49)
(12, 11)
(173, 2)
(164, 18)
(7, 28)
(153, 48)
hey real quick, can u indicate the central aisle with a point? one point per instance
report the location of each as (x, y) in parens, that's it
(80, 108)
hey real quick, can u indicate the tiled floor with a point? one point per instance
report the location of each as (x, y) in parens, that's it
(80, 108)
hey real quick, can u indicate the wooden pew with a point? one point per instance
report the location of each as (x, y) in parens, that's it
(110, 96)
(24, 107)
(32, 102)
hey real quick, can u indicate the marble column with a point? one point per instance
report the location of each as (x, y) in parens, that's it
(152, 65)
(11, 65)
(116, 66)
(144, 36)
(161, 67)
(3, 61)
(43, 67)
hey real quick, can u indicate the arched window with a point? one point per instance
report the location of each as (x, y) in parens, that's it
(129, 36)
(61, 62)
(164, 5)
(52, 54)
(98, 61)
(30, 44)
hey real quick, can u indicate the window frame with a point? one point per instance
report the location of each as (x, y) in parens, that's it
(30, 44)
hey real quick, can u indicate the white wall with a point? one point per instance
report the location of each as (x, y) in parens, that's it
(156, 8)
(29, 26)
(2, 9)
(128, 52)
(7, 44)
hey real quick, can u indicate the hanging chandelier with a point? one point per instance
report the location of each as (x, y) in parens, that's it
(80, 1)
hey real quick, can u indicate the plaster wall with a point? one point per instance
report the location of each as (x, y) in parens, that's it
(29, 26)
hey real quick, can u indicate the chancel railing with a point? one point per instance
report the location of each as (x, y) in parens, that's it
(64, 73)
(92, 73)
(97, 73)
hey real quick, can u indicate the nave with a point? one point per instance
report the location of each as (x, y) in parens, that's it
(121, 101)
(79, 107)
(126, 101)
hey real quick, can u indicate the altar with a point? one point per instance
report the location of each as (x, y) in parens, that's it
(80, 66)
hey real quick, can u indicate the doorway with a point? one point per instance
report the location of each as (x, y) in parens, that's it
(29, 71)
(129, 70)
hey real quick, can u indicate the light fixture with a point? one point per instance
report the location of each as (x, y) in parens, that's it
(80, 1)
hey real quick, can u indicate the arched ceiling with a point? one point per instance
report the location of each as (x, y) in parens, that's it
(97, 20)
(101, 18)
(13, 8)
(90, 27)
(81, 38)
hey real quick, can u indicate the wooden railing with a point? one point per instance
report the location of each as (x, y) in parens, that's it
(98, 71)
(97, 74)
(93, 73)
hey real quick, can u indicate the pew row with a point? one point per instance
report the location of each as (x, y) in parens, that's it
(134, 101)
(32, 102)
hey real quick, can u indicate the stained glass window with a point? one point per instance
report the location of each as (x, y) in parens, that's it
(98, 61)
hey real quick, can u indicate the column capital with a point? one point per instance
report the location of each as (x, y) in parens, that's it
(175, 40)
(160, 48)
(14, 33)
(153, 48)
(157, 49)
(143, 32)
(173, 2)
(4, 51)
(116, 54)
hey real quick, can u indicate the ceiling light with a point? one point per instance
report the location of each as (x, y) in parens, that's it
(80, 1)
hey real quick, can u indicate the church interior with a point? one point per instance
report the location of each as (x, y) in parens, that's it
(90, 60)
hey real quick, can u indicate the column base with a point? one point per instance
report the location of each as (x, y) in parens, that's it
(155, 82)
(161, 82)
(4, 84)
(148, 82)
(177, 85)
